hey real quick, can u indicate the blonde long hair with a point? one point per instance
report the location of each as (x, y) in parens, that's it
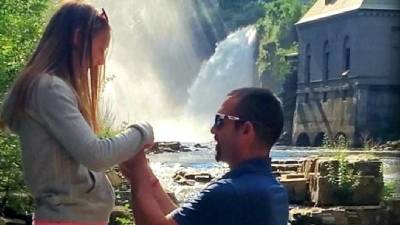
(55, 56)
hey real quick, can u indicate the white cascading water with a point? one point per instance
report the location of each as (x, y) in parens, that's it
(152, 69)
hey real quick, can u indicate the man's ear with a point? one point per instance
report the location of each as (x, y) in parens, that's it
(247, 128)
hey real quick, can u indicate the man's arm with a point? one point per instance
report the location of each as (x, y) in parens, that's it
(151, 203)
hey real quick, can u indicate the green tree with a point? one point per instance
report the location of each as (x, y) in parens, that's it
(277, 35)
(21, 24)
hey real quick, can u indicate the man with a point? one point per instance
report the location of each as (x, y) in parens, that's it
(246, 126)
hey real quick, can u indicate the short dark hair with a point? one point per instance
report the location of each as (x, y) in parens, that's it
(261, 107)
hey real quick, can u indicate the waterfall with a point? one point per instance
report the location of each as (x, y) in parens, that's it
(153, 66)
(231, 66)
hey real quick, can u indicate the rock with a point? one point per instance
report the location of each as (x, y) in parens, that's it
(286, 167)
(322, 192)
(392, 211)
(367, 167)
(293, 176)
(324, 165)
(171, 145)
(368, 191)
(160, 147)
(297, 189)
(308, 166)
(115, 178)
(187, 178)
(199, 146)
(203, 178)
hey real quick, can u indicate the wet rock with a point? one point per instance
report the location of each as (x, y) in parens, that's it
(388, 146)
(187, 178)
(161, 147)
(199, 146)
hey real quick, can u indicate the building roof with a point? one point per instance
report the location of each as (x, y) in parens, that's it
(321, 10)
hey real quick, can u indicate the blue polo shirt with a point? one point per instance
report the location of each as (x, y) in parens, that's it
(247, 195)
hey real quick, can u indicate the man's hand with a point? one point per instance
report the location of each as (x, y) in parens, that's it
(137, 170)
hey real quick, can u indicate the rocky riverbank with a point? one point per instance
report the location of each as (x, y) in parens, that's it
(313, 197)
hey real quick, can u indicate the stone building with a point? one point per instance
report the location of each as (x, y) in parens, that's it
(348, 72)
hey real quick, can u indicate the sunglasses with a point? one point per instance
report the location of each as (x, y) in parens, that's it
(219, 119)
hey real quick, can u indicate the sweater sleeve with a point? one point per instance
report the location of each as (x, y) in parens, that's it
(58, 110)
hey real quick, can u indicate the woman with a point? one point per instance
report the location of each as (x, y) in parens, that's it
(53, 107)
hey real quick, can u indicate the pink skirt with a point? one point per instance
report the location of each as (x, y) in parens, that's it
(42, 222)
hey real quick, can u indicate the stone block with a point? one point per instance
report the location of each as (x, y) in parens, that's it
(392, 211)
(297, 189)
(367, 168)
(286, 167)
(308, 166)
(366, 215)
(368, 191)
(324, 165)
(321, 192)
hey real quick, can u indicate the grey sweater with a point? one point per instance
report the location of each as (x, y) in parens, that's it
(63, 159)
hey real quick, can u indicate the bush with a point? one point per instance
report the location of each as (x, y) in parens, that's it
(342, 177)
(13, 193)
(21, 24)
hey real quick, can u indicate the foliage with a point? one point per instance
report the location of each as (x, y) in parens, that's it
(240, 13)
(277, 35)
(341, 176)
(21, 24)
(126, 218)
(13, 193)
(391, 190)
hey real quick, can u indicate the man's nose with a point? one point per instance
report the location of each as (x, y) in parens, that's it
(212, 130)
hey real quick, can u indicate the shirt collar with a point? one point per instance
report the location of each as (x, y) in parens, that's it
(255, 165)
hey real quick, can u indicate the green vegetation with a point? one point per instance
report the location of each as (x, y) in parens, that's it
(126, 218)
(341, 175)
(12, 189)
(21, 24)
(391, 190)
(277, 35)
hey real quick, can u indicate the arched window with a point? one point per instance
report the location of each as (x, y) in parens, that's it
(346, 54)
(307, 64)
(326, 55)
